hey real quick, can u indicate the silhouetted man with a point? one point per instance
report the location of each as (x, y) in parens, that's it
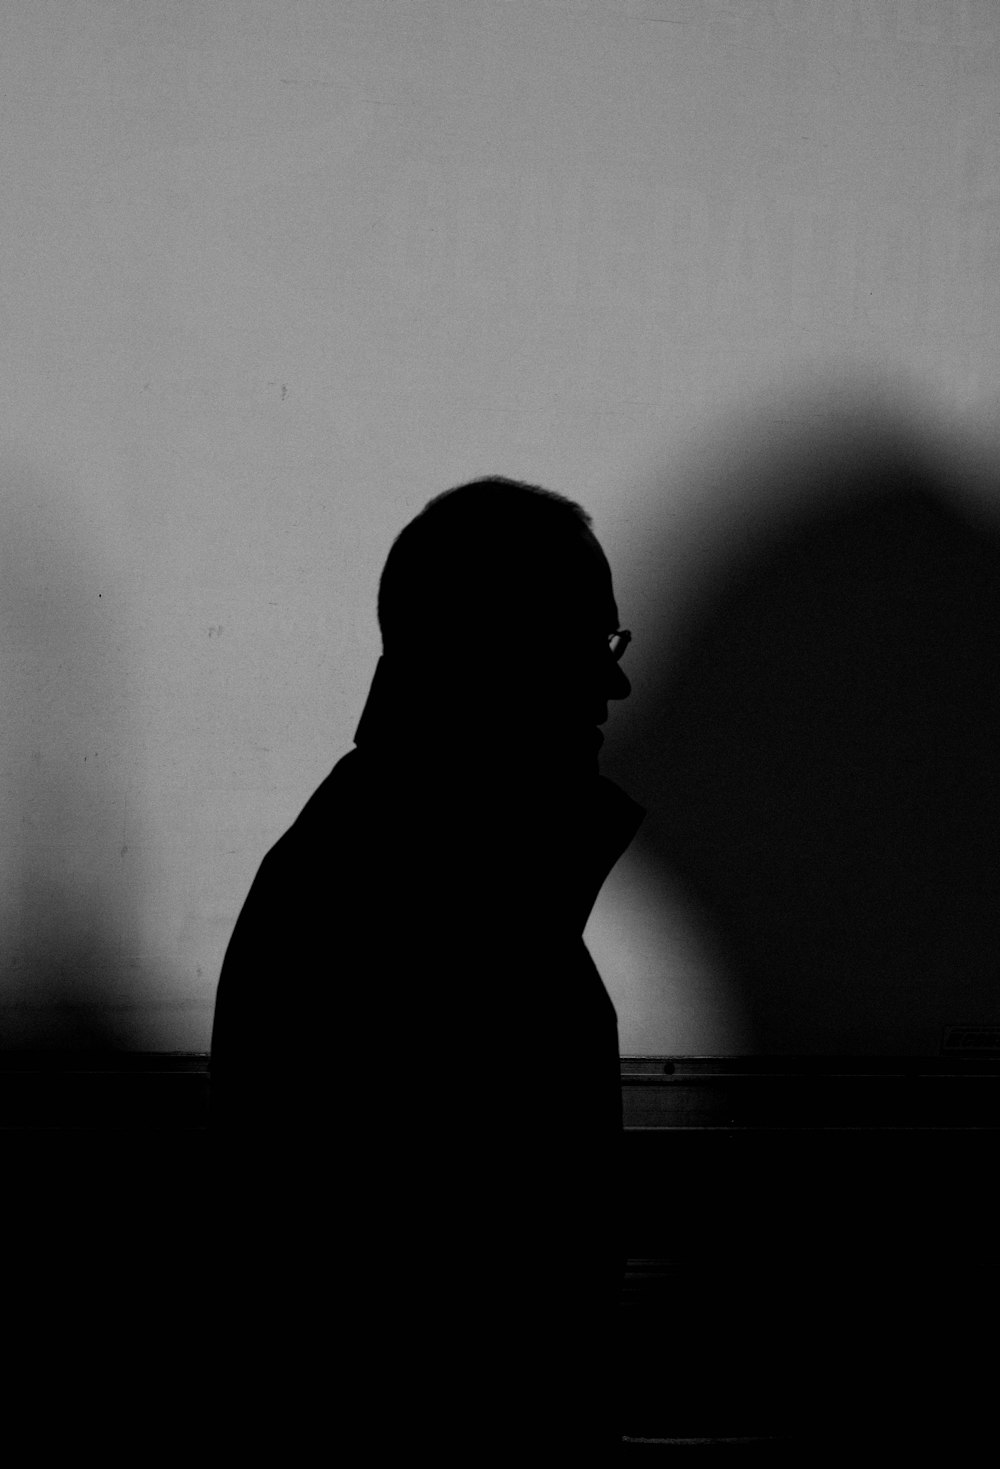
(415, 1062)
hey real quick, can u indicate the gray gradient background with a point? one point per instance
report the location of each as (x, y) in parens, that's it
(274, 273)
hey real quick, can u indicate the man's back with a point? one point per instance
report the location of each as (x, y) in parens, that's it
(409, 1015)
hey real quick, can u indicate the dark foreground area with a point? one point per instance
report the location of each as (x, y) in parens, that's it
(812, 1255)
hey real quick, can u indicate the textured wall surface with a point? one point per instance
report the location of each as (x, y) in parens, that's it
(273, 274)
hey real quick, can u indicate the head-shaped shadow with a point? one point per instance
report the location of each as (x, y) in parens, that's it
(818, 729)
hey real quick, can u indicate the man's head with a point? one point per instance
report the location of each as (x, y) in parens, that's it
(499, 598)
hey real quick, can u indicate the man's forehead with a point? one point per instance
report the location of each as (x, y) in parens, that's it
(581, 589)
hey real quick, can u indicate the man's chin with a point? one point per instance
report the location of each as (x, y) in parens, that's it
(573, 736)
(566, 749)
(582, 746)
(585, 737)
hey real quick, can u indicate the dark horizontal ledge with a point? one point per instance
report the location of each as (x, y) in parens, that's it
(791, 1131)
(104, 1091)
(665, 1069)
(171, 1091)
(810, 1093)
(104, 1063)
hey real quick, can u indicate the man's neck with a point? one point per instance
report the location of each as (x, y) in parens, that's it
(444, 735)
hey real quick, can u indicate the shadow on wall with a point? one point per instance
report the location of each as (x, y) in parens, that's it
(69, 891)
(816, 730)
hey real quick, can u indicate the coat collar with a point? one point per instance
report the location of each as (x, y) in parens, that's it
(580, 818)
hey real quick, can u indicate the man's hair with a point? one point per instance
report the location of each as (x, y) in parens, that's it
(475, 556)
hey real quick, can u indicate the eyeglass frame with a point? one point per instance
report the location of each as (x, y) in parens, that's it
(617, 650)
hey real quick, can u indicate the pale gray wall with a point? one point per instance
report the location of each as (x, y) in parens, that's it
(274, 273)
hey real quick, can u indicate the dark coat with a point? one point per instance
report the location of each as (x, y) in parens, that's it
(411, 1034)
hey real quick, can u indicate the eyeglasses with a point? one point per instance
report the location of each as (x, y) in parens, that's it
(618, 642)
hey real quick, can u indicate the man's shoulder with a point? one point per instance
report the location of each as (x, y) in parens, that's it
(336, 814)
(339, 793)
